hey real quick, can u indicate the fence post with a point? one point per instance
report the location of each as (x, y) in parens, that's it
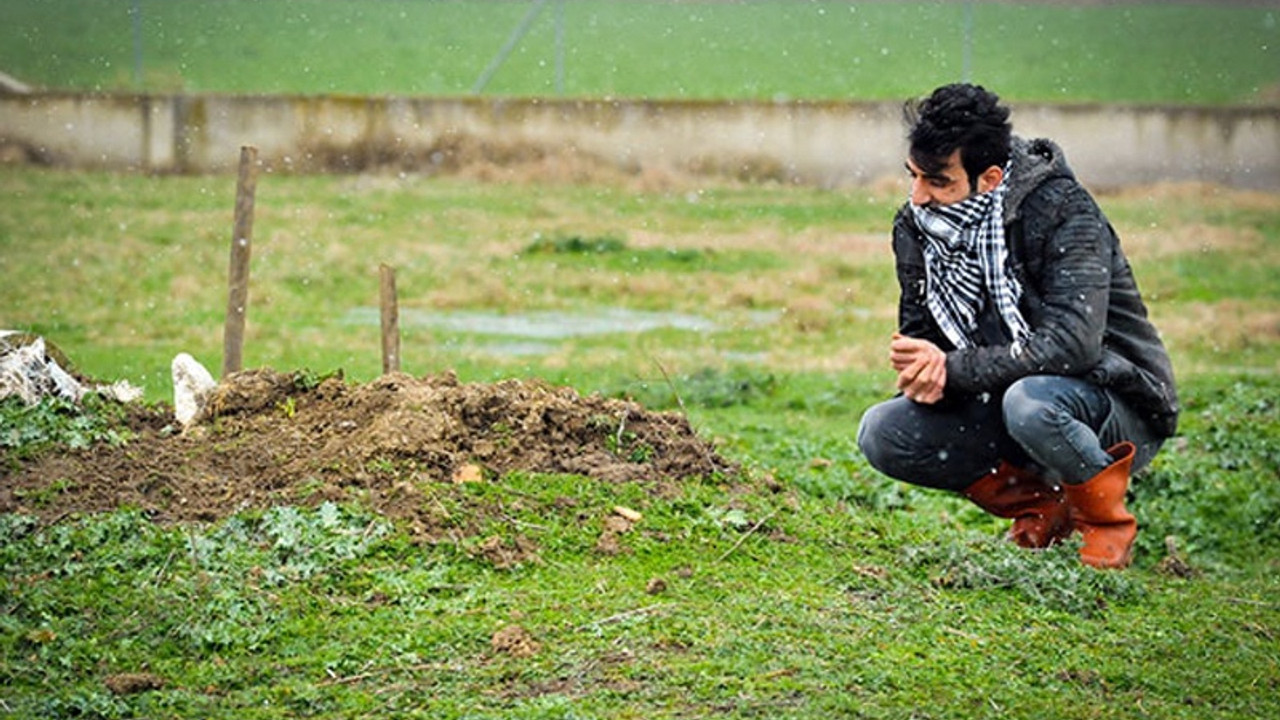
(238, 275)
(390, 319)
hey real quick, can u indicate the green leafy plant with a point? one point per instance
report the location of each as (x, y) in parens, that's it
(1053, 578)
(45, 496)
(1213, 490)
(308, 379)
(26, 430)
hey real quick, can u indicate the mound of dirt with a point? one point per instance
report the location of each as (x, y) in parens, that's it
(267, 438)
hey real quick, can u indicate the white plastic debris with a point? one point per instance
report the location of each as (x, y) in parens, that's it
(29, 371)
(191, 386)
(120, 391)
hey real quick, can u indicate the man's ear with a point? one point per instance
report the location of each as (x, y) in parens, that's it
(990, 178)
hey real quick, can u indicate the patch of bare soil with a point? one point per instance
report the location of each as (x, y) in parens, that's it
(131, 683)
(514, 640)
(266, 438)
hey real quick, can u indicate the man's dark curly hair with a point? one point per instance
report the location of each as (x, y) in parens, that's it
(960, 117)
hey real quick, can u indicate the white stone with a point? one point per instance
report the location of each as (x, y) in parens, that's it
(191, 385)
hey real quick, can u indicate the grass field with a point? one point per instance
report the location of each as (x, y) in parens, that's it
(814, 589)
(793, 278)
(810, 587)
(1149, 52)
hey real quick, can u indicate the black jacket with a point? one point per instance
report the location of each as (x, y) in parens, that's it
(1078, 295)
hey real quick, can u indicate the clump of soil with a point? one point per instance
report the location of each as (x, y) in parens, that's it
(515, 641)
(132, 683)
(266, 438)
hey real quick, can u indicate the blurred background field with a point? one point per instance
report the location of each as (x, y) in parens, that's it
(577, 282)
(1208, 52)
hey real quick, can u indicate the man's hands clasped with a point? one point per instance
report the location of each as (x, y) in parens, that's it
(921, 366)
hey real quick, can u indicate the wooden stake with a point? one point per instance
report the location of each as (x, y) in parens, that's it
(238, 276)
(390, 320)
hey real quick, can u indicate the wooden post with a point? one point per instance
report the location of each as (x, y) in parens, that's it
(238, 276)
(390, 320)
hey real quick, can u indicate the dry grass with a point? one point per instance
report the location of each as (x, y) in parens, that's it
(128, 267)
(1160, 242)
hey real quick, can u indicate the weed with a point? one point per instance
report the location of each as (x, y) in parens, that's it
(603, 424)
(14, 527)
(1053, 578)
(640, 452)
(381, 465)
(731, 518)
(84, 703)
(1213, 488)
(309, 487)
(574, 245)
(27, 430)
(307, 379)
(46, 495)
(706, 387)
(620, 441)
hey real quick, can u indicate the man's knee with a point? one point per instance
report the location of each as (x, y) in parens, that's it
(883, 442)
(1027, 408)
(870, 436)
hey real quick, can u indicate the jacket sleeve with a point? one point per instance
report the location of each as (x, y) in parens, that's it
(1073, 242)
(914, 318)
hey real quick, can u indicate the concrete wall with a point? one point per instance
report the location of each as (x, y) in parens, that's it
(828, 144)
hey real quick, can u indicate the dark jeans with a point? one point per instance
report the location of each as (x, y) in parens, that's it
(1059, 426)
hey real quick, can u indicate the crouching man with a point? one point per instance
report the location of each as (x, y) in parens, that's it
(1031, 379)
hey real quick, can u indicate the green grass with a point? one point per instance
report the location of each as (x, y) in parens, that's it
(814, 588)
(1208, 53)
(791, 604)
(126, 271)
(90, 239)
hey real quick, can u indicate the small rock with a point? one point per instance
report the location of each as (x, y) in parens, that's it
(616, 524)
(468, 473)
(626, 512)
(191, 386)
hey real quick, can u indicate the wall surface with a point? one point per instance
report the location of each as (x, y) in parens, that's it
(827, 144)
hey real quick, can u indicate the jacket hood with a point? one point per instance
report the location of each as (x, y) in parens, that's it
(1032, 163)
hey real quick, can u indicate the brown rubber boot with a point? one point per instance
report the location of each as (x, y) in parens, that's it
(1098, 512)
(1038, 509)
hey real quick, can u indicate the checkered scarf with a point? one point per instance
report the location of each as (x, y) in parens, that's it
(965, 256)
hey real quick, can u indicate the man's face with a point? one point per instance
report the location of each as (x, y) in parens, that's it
(947, 186)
